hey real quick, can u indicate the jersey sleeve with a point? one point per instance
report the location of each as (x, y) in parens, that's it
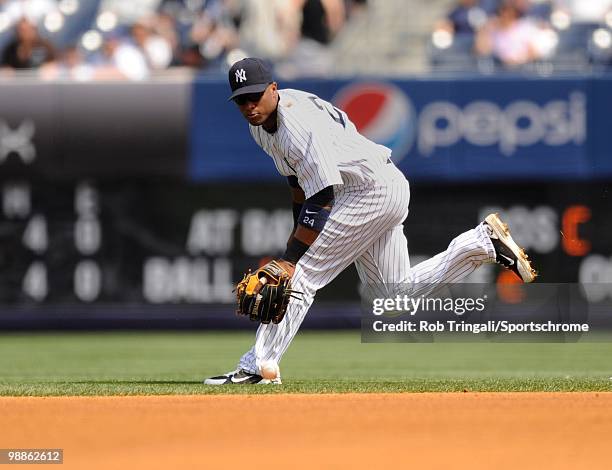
(312, 159)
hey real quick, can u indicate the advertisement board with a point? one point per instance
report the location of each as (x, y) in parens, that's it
(465, 129)
(68, 130)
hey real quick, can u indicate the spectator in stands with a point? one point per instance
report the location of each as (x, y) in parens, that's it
(156, 49)
(28, 50)
(321, 22)
(70, 65)
(522, 6)
(509, 38)
(214, 33)
(167, 27)
(466, 17)
(33, 10)
(585, 11)
(175, 22)
(120, 58)
(536, 9)
(270, 28)
(355, 7)
(131, 11)
(322, 19)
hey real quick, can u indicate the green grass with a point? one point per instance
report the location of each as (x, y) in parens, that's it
(175, 363)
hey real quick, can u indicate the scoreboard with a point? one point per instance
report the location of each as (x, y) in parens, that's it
(40, 232)
(161, 241)
(130, 242)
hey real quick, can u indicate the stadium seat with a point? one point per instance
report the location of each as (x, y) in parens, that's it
(540, 11)
(571, 53)
(5, 37)
(457, 57)
(600, 49)
(75, 25)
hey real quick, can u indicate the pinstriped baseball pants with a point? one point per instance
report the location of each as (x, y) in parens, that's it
(365, 227)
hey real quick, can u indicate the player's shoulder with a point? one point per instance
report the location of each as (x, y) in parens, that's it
(291, 97)
(296, 106)
(297, 100)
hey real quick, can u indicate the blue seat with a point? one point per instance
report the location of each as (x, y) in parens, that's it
(75, 25)
(458, 57)
(572, 53)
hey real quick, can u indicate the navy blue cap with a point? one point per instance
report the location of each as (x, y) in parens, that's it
(250, 75)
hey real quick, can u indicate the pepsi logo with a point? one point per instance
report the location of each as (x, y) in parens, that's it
(382, 112)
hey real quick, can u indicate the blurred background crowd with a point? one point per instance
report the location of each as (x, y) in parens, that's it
(541, 35)
(137, 39)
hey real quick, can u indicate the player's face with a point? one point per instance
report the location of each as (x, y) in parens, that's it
(257, 107)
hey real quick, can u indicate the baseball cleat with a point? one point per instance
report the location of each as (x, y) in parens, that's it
(240, 376)
(507, 252)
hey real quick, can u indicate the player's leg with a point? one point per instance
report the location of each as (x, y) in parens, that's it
(356, 222)
(387, 260)
(464, 254)
(272, 340)
(488, 242)
(385, 267)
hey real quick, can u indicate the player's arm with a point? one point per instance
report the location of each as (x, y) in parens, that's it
(310, 222)
(297, 200)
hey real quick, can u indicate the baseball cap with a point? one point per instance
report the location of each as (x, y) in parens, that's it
(250, 75)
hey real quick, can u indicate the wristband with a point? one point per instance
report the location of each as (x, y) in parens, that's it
(295, 250)
(313, 217)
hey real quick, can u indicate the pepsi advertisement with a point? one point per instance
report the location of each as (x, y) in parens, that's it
(476, 129)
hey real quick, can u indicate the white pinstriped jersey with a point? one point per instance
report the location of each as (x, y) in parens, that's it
(320, 145)
(317, 143)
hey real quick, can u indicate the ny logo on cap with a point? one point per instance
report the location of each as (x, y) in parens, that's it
(241, 75)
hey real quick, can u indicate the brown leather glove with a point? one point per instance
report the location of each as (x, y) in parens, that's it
(264, 295)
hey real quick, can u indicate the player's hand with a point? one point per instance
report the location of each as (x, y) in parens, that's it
(287, 266)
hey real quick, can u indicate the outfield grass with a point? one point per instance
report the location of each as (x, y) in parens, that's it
(175, 363)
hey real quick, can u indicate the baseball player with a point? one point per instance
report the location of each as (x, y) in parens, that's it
(349, 204)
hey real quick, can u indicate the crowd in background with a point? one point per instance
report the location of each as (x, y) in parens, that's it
(105, 39)
(518, 32)
(118, 39)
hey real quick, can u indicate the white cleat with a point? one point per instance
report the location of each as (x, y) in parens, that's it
(507, 252)
(241, 376)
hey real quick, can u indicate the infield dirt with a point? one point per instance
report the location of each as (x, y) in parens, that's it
(429, 430)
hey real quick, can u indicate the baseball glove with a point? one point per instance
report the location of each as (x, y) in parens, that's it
(264, 295)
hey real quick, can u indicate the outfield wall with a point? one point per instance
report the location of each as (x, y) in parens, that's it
(466, 129)
(131, 205)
